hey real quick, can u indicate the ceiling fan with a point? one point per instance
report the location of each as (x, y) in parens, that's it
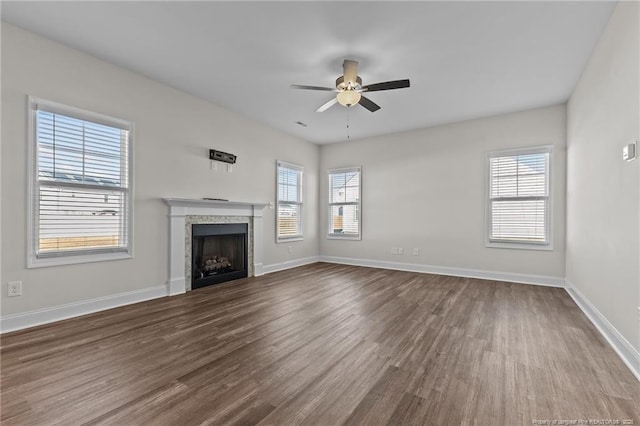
(349, 89)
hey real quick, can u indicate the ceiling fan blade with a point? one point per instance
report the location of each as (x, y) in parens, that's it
(387, 85)
(325, 89)
(350, 71)
(369, 104)
(328, 105)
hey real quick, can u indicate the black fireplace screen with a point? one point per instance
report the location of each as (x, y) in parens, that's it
(219, 253)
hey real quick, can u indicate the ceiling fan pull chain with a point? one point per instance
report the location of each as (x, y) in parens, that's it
(348, 126)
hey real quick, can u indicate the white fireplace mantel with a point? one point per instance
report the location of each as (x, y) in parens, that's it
(180, 209)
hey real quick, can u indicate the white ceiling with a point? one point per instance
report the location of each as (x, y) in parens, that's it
(464, 59)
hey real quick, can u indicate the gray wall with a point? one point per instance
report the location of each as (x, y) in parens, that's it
(426, 189)
(603, 191)
(173, 132)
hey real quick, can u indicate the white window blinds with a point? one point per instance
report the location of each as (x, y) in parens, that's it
(289, 213)
(519, 197)
(81, 191)
(344, 203)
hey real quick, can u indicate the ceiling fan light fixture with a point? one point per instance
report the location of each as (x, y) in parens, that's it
(349, 85)
(348, 97)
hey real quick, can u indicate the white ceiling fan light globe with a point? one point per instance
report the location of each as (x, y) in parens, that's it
(348, 98)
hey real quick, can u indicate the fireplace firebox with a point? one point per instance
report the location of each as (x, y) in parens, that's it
(219, 253)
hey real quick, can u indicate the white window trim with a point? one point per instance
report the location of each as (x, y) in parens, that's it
(300, 236)
(524, 245)
(72, 258)
(330, 235)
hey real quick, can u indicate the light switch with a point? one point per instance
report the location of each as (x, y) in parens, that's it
(629, 152)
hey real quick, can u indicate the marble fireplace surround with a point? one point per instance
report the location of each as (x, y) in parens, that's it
(185, 212)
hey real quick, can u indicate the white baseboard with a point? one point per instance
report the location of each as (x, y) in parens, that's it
(281, 266)
(445, 270)
(176, 286)
(629, 355)
(43, 316)
(258, 269)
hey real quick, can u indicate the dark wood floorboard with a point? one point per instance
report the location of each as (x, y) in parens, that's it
(322, 344)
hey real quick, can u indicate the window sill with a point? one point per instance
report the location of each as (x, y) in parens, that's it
(520, 246)
(289, 239)
(343, 237)
(33, 262)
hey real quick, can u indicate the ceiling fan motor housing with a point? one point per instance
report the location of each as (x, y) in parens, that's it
(348, 85)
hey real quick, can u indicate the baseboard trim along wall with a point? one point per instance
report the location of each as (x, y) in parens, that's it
(629, 355)
(445, 270)
(57, 313)
(281, 266)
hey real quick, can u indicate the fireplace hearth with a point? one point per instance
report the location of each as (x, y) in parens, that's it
(219, 253)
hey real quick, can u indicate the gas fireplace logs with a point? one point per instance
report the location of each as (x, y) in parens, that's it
(215, 263)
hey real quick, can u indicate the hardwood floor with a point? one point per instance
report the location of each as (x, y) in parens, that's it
(322, 344)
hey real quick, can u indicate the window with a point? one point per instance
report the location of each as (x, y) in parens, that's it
(81, 191)
(518, 199)
(344, 203)
(289, 209)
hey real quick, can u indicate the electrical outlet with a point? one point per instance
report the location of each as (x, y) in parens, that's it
(416, 252)
(400, 250)
(14, 288)
(213, 165)
(229, 168)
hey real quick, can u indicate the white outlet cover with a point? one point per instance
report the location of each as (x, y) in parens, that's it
(14, 288)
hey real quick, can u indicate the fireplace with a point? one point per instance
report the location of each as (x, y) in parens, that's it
(184, 213)
(219, 253)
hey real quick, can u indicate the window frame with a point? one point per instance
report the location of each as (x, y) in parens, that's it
(85, 255)
(300, 170)
(522, 244)
(336, 236)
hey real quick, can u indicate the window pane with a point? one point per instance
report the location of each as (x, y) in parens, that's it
(289, 207)
(288, 220)
(81, 199)
(288, 193)
(74, 218)
(518, 197)
(532, 185)
(78, 151)
(344, 203)
(288, 184)
(519, 175)
(518, 220)
(345, 187)
(345, 220)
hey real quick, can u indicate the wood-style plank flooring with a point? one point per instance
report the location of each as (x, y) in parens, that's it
(322, 344)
